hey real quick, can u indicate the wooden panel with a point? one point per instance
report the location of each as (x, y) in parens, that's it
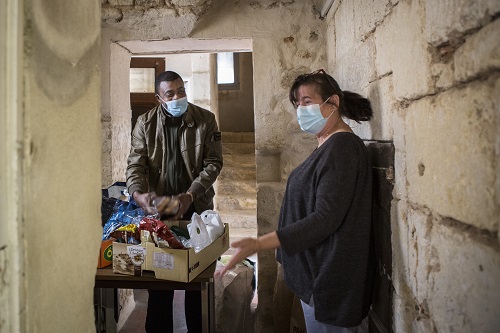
(382, 158)
(143, 102)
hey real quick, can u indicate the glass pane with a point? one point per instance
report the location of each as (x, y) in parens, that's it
(225, 68)
(142, 80)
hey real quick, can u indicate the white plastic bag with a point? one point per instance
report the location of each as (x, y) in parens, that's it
(198, 233)
(214, 225)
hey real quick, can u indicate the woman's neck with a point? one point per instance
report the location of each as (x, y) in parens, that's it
(337, 126)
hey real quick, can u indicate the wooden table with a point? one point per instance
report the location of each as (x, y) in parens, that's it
(105, 278)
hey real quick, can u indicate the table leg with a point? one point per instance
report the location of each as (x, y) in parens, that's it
(99, 320)
(205, 321)
(211, 304)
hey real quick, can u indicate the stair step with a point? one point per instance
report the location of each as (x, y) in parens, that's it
(238, 148)
(246, 219)
(237, 173)
(240, 233)
(241, 160)
(236, 202)
(225, 187)
(238, 137)
(237, 234)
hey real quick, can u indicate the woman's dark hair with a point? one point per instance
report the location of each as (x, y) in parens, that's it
(351, 105)
(167, 76)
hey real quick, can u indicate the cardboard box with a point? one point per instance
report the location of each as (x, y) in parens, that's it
(122, 261)
(105, 253)
(183, 265)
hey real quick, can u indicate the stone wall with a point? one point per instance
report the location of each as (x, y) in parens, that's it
(431, 70)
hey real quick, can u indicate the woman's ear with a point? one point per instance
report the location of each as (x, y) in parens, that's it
(335, 100)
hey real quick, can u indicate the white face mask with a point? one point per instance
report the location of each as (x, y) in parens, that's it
(176, 107)
(310, 118)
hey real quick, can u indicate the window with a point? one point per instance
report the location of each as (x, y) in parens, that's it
(142, 80)
(228, 71)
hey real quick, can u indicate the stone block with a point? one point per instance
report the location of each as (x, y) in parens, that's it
(404, 314)
(442, 74)
(149, 3)
(368, 14)
(450, 150)
(400, 249)
(480, 54)
(201, 86)
(450, 19)
(269, 167)
(331, 45)
(345, 29)
(465, 284)
(384, 106)
(358, 67)
(420, 253)
(402, 49)
(121, 2)
(400, 190)
(184, 3)
(269, 198)
(200, 63)
(496, 89)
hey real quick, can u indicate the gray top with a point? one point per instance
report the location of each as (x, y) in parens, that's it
(325, 231)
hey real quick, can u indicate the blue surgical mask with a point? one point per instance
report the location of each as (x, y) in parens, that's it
(176, 107)
(310, 118)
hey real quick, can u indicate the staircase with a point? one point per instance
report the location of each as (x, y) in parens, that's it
(236, 198)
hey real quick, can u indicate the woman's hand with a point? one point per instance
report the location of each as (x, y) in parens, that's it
(245, 247)
(248, 246)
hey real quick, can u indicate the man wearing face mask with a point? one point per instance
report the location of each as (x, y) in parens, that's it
(175, 151)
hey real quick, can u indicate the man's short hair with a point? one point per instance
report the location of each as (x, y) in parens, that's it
(167, 76)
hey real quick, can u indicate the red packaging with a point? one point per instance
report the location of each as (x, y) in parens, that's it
(162, 231)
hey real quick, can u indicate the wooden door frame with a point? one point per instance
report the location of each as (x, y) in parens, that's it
(146, 98)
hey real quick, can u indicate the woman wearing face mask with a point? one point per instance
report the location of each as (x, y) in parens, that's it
(323, 239)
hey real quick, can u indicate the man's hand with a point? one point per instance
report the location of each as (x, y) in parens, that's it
(185, 200)
(143, 200)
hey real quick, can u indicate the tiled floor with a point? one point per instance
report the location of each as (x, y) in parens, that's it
(134, 323)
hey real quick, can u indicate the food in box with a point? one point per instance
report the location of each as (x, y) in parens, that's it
(128, 258)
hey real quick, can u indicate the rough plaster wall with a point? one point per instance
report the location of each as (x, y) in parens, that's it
(153, 19)
(120, 111)
(11, 253)
(283, 48)
(201, 80)
(61, 165)
(431, 70)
